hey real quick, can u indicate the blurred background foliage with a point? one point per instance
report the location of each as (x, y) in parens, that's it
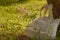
(13, 21)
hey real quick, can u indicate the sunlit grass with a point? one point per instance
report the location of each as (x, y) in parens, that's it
(13, 22)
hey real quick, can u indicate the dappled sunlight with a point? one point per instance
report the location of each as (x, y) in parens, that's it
(15, 15)
(13, 22)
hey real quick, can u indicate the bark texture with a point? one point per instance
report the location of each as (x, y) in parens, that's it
(56, 11)
(56, 8)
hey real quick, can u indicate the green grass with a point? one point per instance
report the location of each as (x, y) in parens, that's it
(13, 22)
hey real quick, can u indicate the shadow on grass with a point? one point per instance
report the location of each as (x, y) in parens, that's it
(7, 3)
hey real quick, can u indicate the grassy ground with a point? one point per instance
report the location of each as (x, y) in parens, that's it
(13, 21)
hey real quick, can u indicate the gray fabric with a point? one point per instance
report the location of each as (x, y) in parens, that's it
(42, 28)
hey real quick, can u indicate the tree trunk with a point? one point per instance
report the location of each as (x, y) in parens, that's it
(56, 8)
(56, 11)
